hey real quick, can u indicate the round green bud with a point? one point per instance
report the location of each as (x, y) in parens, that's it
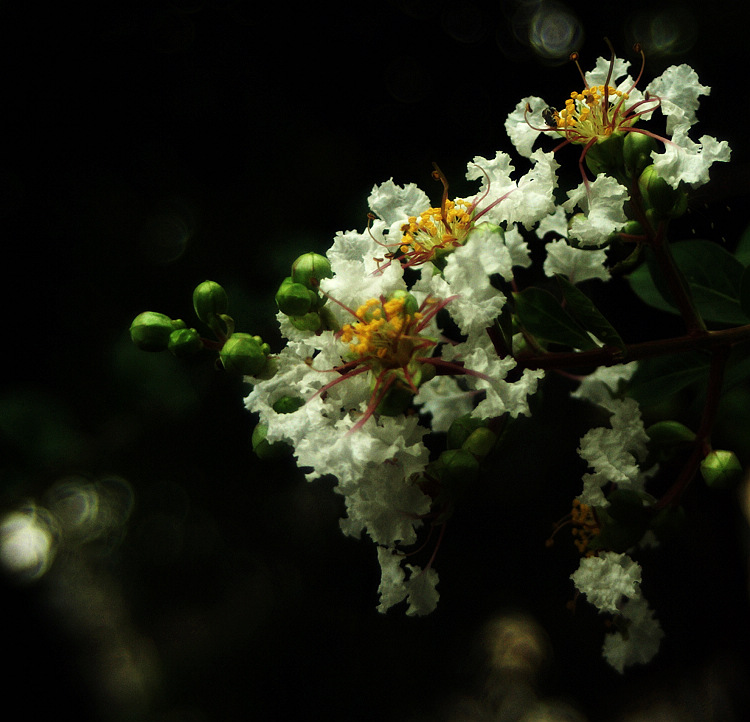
(665, 201)
(480, 442)
(245, 354)
(263, 448)
(636, 150)
(209, 300)
(458, 469)
(287, 404)
(184, 342)
(150, 331)
(294, 299)
(633, 228)
(461, 429)
(411, 306)
(309, 322)
(310, 268)
(721, 469)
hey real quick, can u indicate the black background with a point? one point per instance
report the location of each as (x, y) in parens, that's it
(148, 147)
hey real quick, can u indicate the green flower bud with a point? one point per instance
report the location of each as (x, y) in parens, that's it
(633, 228)
(245, 354)
(665, 201)
(265, 450)
(294, 299)
(184, 342)
(309, 322)
(287, 404)
(636, 150)
(209, 300)
(480, 442)
(458, 469)
(461, 429)
(309, 269)
(150, 331)
(721, 469)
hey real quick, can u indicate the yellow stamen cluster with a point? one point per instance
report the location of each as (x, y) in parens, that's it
(586, 116)
(429, 232)
(382, 332)
(585, 526)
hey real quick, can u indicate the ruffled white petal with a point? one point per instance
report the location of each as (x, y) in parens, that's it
(685, 161)
(602, 204)
(607, 578)
(678, 89)
(578, 264)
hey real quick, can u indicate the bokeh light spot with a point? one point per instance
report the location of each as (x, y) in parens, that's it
(27, 543)
(554, 32)
(663, 32)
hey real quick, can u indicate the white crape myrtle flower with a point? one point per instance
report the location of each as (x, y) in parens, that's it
(602, 204)
(578, 264)
(523, 125)
(603, 108)
(419, 589)
(601, 386)
(517, 246)
(526, 201)
(529, 118)
(613, 453)
(640, 642)
(503, 396)
(678, 89)
(393, 204)
(607, 578)
(444, 400)
(684, 161)
(475, 303)
(556, 223)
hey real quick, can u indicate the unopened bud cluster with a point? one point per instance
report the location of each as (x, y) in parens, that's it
(238, 352)
(299, 296)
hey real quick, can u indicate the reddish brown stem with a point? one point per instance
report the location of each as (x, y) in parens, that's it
(611, 355)
(701, 444)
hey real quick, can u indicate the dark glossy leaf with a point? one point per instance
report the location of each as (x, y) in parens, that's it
(745, 292)
(644, 287)
(713, 275)
(659, 378)
(540, 313)
(582, 308)
(742, 252)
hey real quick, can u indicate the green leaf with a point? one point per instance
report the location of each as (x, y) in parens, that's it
(713, 275)
(659, 378)
(745, 292)
(540, 313)
(644, 287)
(582, 308)
(742, 253)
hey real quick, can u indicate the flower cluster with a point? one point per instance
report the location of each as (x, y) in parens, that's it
(421, 323)
(366, 349)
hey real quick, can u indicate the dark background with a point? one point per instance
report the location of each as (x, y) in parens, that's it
(149, 147)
